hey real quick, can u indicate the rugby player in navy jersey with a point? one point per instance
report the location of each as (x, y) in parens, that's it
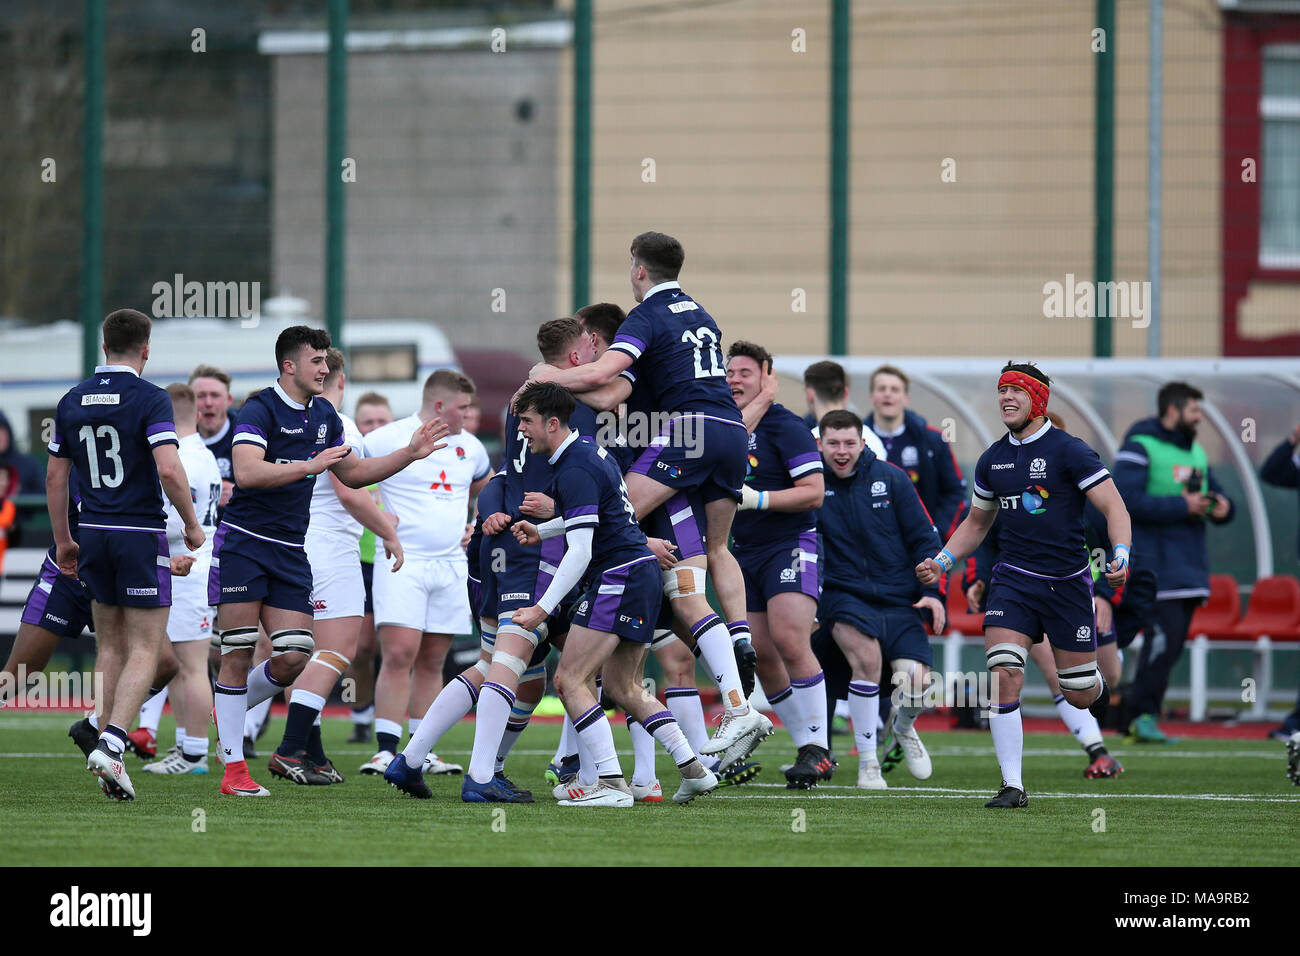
(117, 430)
(777, 546)
(285, 436)
(675, 347)
(674, 532)
(1037, 478)
(511, 576)
(614, 623)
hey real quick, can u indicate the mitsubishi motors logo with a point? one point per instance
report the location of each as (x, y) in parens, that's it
(441, 484)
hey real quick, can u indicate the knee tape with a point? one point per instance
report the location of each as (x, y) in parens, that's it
(1080, 677)
(537, 672)
(482, 666)
(333, 660)
(487, 636)
(215, 639)
(517, 665)
(238, 638)
(1006, 655)
(532, 637)
(683, 581)
(292, 640)
(662, 638)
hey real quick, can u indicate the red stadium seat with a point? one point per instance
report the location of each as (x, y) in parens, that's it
(960, 619)
(1219, 617)
(1274, 610)
(1272, 622)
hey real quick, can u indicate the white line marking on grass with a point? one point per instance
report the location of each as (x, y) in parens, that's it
(956, 793)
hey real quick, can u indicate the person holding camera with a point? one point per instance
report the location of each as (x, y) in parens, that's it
(1164, 477)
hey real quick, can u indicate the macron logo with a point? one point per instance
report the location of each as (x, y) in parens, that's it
(75, 909)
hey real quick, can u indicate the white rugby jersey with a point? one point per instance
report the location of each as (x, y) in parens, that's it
(431, 496)
(329, 519)
(205, 491)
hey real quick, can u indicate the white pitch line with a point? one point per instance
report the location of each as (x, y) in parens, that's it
(942, 794)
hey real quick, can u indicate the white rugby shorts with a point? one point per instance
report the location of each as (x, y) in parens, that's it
(427, 595)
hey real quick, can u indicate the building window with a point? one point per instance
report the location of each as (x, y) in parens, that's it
(1279, 109)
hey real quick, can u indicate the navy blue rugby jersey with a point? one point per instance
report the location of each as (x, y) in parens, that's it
(589, 493)
(286, 431)
(781, 451)
(1039, 485)
(109, 426)
(677, 349)
(525, 471)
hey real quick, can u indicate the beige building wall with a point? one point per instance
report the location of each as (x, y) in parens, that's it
(737, 126)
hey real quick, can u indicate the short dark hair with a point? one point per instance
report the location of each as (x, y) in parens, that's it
(294, 339)
(840, 418)
(467, 385)
(444, 379)
(1177, 394)
(826, 379)
(126, 331)
(548, 400)
(554, 338)
(1027, 368)
(893, 370)
(210, 371)
(373, 398)
(334, 365)
(756, 352)
(661, 254)
(601, 318)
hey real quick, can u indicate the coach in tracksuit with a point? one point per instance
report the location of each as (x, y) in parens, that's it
(1164, 477)
(874, 531)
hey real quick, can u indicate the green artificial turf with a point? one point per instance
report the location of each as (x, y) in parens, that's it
(1199, 802)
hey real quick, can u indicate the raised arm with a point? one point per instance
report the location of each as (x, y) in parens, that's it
(358, 472)
(585, 378)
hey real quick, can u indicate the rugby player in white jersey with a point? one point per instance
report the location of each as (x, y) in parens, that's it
(421, 605)
(189, 623)
(372, 411)
(338, 597)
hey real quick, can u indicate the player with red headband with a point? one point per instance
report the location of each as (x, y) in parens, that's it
(1039, 477)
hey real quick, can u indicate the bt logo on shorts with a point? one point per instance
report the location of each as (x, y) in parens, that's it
(634, 621)
(673, 470)
(142, 592)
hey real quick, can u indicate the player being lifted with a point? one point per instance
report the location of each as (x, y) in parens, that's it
(1039, 477)
(118, 431)
(614, 623)
(776, 544)
(285, 436)
(675, 347)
